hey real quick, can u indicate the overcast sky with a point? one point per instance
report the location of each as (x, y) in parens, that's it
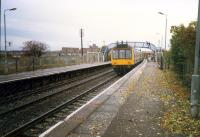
(57, 22)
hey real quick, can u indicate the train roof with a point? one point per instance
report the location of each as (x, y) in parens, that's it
(122, 45)
(134, 45)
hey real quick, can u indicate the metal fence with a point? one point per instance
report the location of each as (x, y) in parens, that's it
(182, 68)
(24, 63)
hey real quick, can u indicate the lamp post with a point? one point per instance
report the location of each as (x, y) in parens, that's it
(162, 59)
(160, 39)
(195, 77)
(161, 13)
(0, 26)
(81, 33)
(5, 61)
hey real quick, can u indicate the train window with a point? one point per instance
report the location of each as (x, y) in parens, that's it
(115, 54)
(128, 54)
(122, 54)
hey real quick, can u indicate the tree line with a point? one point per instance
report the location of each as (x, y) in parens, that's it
(182, 51)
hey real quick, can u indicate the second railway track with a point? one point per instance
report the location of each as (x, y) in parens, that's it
(24, 94)
(24, 120)
(51, 92)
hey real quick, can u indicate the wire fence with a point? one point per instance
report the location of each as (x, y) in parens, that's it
(24, 63)
(183, 68)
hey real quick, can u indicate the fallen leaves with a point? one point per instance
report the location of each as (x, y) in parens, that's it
(177, 118)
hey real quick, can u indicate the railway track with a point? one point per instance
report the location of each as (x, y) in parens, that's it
(109, 76)
(49, 93)
(24, 94)
(55, 114)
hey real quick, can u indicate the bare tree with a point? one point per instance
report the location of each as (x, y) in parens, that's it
(34, 48)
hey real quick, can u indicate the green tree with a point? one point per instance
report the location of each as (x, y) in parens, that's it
(182, 49)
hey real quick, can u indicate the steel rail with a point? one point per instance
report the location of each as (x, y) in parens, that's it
(20, 130)
(48, 87)
(52, 94)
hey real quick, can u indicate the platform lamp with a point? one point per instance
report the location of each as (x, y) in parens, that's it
(159, 44)
(162, 59)
(0, 27)
(6, 62)
(161, 13)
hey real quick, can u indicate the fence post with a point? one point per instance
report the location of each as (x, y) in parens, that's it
(161, 63)
(33, 62)
(40, 61)
(16, 64)
(169, 63)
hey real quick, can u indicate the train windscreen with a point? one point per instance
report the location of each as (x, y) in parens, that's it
(121, 54)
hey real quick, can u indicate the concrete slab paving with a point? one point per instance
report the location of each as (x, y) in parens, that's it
(141, 114)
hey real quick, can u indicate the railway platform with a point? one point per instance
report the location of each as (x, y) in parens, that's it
(130, 107)
(46, 72)
(26, 81)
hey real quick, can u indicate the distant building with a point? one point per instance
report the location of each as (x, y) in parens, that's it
(77, 51)
(93, 48)
(16, 52)
(70, 51)
(13, 53)
(52, 53)
(85, 50)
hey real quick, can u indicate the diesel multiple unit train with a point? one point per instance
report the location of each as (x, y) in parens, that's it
(124, 57)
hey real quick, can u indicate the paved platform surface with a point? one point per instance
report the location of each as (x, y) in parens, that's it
(135, 111)
(95, 116)
(45, 72)
(140, 115)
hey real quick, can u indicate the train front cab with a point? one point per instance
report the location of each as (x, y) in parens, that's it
(122, 60)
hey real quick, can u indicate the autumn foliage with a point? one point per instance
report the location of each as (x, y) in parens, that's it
(182, 50)
(177, 118)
